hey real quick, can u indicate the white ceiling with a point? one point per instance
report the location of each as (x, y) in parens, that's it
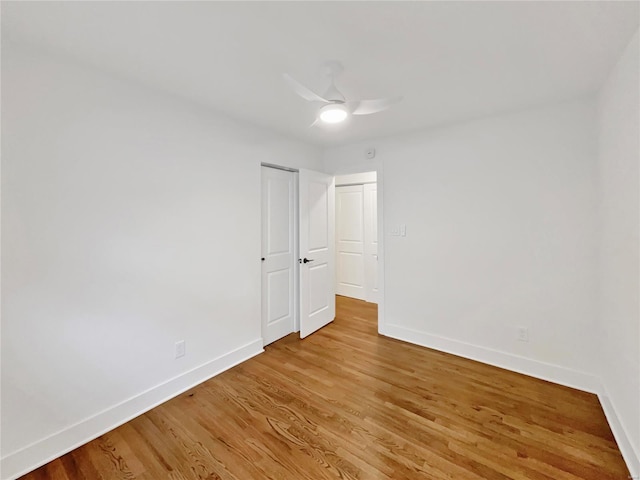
(450, 60)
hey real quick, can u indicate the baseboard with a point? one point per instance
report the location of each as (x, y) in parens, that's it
(545, 371)
(630, 455)
(39, 453)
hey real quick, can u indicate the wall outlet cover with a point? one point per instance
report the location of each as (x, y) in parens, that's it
(180, 348)
(523, 334)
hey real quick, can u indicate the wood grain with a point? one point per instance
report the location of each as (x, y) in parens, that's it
(348, 403)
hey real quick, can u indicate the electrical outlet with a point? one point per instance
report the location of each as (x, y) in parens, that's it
(180, 349)
(523, 334)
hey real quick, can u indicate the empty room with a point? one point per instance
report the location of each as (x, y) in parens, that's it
(320, 240)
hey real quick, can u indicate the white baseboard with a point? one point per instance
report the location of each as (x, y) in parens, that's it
(515, 363)
(39, 453)
(630, 455)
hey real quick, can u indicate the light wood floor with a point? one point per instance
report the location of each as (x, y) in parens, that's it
(346, 403)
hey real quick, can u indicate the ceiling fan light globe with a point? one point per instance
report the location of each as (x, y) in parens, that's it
(333, 113)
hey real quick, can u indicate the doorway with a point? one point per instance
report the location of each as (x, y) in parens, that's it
(352, 173)
(357, 236)
(298, 279)
(298, 251)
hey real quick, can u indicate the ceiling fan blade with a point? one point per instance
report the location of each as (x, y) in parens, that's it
(303, 91)
(367, 107)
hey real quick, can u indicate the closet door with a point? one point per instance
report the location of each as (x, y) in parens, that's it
(278, 250)
(350, 244)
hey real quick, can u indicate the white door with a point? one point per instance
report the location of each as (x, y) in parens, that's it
(371, 242)
(317, 215)
(278, 254)
(350, 242)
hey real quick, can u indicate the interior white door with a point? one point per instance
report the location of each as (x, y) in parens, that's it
(371, 242)
(317, 242)
(278, 254)
(350, 241)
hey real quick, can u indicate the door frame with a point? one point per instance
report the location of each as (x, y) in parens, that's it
(296, 243)
(374, 165)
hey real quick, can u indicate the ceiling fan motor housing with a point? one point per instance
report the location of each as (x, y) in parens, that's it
(333, 94)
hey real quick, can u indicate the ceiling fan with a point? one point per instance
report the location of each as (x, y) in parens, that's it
(337, 108)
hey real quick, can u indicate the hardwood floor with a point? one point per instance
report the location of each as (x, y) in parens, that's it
(347, 403)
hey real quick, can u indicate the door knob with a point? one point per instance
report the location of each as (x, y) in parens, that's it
(306, 260)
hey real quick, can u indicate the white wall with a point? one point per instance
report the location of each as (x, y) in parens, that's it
(619, 131)
(130, 220)
(501, 222)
